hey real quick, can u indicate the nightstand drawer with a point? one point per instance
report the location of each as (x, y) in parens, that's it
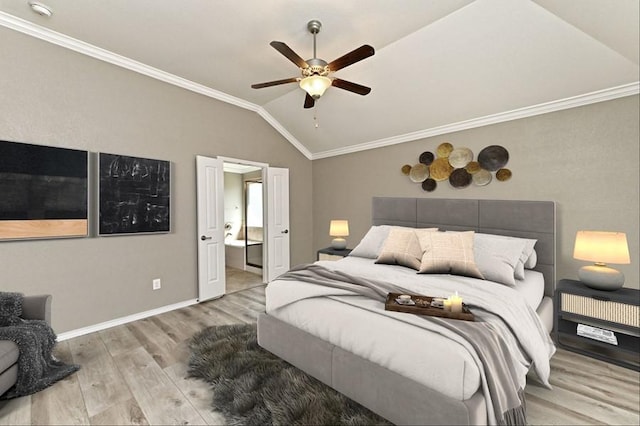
(615, 311)
(322, 256)
(620, 313)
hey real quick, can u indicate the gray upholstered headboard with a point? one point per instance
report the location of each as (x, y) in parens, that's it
(526, 219)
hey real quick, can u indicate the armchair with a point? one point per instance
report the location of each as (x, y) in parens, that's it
(33, 307)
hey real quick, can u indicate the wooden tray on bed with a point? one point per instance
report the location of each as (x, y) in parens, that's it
(423, 307)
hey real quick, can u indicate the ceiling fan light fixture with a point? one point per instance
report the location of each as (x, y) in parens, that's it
(315, 85)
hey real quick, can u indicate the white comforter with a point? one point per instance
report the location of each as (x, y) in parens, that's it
(288, 300)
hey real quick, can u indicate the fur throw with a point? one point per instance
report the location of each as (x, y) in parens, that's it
(37, 368)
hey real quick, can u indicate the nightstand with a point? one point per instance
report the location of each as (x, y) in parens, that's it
(330, 253)
(617, 311)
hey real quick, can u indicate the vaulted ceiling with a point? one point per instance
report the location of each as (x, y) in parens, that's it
(439, 66)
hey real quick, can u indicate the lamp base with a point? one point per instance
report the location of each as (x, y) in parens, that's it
(339, 243)
(601, 277)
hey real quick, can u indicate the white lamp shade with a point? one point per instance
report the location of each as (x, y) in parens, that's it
(602, 247)
(315, 85)
(339, 228)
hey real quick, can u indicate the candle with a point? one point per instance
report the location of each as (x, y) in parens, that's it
(446, 304)
(404, 298)
(456, 303)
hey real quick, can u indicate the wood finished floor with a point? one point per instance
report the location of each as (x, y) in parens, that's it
(136, 374)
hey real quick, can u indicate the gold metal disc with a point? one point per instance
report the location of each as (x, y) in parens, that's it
(473, 167)
(503, 175)
(440, 169)
(444, 149)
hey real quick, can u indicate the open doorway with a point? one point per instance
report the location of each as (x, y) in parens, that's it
(213, 232)
(244, 227)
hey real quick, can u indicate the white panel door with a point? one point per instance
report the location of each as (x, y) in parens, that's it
(210, 188)
(278, 234)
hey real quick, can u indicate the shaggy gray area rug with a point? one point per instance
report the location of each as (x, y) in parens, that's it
(251, 386)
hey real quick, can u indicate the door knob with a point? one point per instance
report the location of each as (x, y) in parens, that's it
(203, 238)
(286, 231)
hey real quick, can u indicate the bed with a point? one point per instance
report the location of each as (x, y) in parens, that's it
(330, 336)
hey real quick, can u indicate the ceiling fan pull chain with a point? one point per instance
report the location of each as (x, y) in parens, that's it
(315, 117)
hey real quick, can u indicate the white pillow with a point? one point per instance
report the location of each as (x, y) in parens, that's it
(524, 255)
(532, 261)
(372, 242)
(497, 257)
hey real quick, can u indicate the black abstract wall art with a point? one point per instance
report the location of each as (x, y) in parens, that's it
(134, 195)
(43, 191)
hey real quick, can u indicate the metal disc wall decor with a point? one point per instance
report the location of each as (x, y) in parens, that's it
(427, 158)
(460, 178)
(482, 178)
(503, 175)
(429, 185)
(460, 157)
(458, 167)
(493, 157)
(419, 173)
(444, 149)
(473, 167)
(440, 169)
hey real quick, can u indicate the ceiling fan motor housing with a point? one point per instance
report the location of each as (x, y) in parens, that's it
(316, 67)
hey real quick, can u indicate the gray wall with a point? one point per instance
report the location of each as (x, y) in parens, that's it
(585, 159)
(53, 96)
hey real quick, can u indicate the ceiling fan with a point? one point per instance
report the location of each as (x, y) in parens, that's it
(315, 71)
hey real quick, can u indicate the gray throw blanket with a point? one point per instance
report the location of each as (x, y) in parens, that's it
(486, 338)
(37, 368)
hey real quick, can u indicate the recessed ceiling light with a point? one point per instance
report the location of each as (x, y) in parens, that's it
(41, 9)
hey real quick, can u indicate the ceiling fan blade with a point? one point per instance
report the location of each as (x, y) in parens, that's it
(274, 83)
(309, 102)
(351, 87)
(289, 54)
(352, 57)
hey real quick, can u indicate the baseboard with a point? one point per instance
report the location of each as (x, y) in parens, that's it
(253, 269)
(123, 320)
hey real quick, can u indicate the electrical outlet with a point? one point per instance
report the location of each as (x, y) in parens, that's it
(156, 284)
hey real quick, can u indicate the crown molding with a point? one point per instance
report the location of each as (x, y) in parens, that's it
(284, 132)
(42, 33)
(54, 37)
(544, 108)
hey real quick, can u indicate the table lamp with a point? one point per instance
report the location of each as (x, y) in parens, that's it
(601, 248)
(339, 229)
